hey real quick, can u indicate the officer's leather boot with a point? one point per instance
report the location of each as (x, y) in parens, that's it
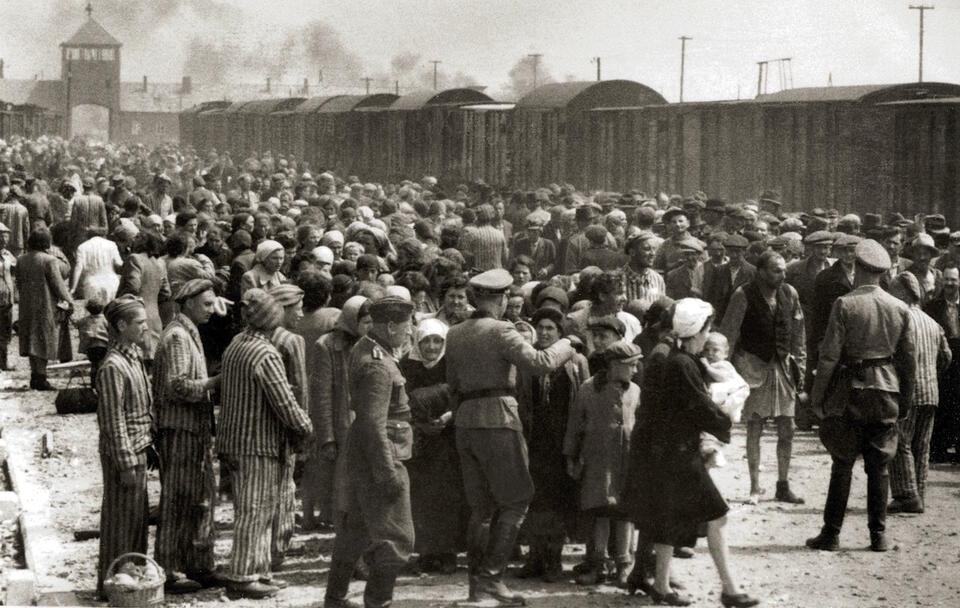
(379, 590)
(490, 580)
(878, 487)
(477, 538)
(338, 584)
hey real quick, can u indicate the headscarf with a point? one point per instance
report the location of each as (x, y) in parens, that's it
(262, 311)
(265, 248)
(286, 294)
(350, 314)
(689, 317)
(118, 307)
(323, 254)
(427, 328)
(332, 236)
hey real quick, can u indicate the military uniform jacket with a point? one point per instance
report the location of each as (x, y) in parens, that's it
(483, 354)
(380, 435)
(868, 324)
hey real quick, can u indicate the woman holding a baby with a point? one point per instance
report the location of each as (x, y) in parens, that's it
(670, 494)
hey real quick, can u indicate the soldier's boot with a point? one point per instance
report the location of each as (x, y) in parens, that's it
(534, 564)
(878, 487)
(379, 590)
(490, 579)
(477, 538)
(338, 584)
(553, 563)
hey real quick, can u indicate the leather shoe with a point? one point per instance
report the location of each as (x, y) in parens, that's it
(738, 600)
(254, 590)
(824, 542)
(275, 582)
(331, 602)
(683, 552)
(176, 586)
(878, 542)
(905, 505)
(668, 599)
(785, 494)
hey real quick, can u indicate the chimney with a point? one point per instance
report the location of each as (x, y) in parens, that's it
(1, 69)
(187, 87)
(268, 84)
(306, 86)
(144, 84)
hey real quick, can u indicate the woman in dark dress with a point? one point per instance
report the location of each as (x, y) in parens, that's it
(671, 495)
(544, 403)
(436, 488)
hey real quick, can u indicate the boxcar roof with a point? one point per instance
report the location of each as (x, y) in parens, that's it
(265, 106)
(349, 103)
(591, 94)
(870, 93)
(420, 99)
(207, 106)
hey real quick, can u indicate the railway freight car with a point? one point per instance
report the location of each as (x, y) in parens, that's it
(193, 130)
(259, 134)
(477, 143)
(337, 133)
(417, 135)
(549, 128)
(830, 147)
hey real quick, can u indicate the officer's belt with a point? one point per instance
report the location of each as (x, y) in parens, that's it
(488, 393)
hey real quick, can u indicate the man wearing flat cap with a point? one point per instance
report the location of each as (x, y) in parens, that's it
(640, 281)
(586, 216)
(124, 418)
(483, 356)
(542, 251)
(671, 252)
(830, 284)
(864, 383)
(684, 281)
(718, 282)
(922, 251)
(158, 200)
(259, 416)
(185, 429)
(378, 523)
(15, 217)
(292, 349)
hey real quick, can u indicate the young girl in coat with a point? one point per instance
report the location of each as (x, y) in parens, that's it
(597, 447)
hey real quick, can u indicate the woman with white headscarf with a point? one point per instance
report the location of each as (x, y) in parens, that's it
(669, 493)
(436, 489)
(266, 267)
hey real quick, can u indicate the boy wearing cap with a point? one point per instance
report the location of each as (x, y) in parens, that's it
(871, 334)
(483, 354)
(683, 281)
(378, 522)
(185, 535)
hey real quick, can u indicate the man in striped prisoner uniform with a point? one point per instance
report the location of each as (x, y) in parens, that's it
(378, 522)
(124, 418)
(258, 413)
(185, 427)
(292, 350)
(908, 471)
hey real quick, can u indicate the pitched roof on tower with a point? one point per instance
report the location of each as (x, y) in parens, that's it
(92, 33)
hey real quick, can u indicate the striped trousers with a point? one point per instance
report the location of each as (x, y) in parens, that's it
(908, 471)
(123, 515)
(256, 488)
(284, 518)
(185, 535)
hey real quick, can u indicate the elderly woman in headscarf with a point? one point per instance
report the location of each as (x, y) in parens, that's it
(334, 240)
(329, 406)
(670, 494)
(436, 488)
(266, 267)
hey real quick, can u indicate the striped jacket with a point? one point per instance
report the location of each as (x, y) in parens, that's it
(933, 354)
(647, 286)
(179, 378)
(124, 412)
(488, 247)
(293, 352)
(258, 408)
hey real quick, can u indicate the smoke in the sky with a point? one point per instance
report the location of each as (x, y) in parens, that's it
(522, 76)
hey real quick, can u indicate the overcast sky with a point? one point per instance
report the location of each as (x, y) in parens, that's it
(858, 41)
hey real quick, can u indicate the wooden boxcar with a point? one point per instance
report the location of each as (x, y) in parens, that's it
(193, 128)
(297, 123)
(259, 132)
(477, 143)
(549, 128)
(416, 134)
(340, 133)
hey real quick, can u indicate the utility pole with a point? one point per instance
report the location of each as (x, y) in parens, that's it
(597, 61)
(435, 62)
(922, 8)
(683, 60)
(367, 81)
(396, 87)
(536, 61)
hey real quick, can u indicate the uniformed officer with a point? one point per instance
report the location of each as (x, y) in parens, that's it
(864, 382)
(378, 523)
(483, 357)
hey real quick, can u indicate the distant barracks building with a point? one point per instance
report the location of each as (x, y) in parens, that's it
(89, 91)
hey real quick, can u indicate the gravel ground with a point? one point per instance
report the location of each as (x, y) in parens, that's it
(769, 558)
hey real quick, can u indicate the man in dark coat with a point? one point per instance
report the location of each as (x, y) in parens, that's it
(945, 310)
(378, 521)
(830, 284)
(869, 345)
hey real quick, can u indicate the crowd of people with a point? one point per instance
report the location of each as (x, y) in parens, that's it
(433, 368)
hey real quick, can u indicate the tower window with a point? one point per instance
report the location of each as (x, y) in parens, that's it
(73, 53)
(107, 55)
